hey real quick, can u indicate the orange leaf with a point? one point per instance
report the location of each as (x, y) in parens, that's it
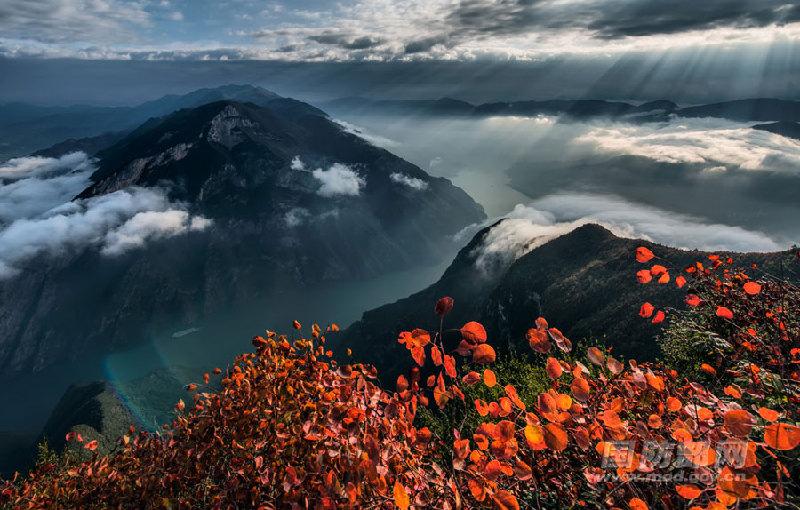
(724, 312)
(739, 422)
(658, 269)
(402, 383)
(705, 367)
(483, 353)
(401, 499)
(481, 407)
(461, 448)
(646, 310)
(561, 341)
(673, 404)
(580, 388)
(688, 491)
(471, 378)
(534, 437)
(768, 414)
(473, 332)
(477, 490)
(450, 366)
(644, 276)
(680, 281)
(489, 378)
(553, 368)
(654, 381)
(91, 445)
(505, 500)
(637, 504)
(555, 437)
(693, 300)
(436, 356)
(782, 436)
(752, 288)
(733, 391)
(643, 254)
(539, 340)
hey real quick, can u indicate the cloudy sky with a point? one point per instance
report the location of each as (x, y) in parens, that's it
(318, 30)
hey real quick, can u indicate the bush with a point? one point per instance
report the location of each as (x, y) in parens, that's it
(292, 428)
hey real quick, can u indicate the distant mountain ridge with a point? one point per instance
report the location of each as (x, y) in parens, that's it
(26, 128)
(783, 128)
(745, 110)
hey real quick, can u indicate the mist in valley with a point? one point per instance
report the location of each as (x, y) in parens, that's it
(690, 183)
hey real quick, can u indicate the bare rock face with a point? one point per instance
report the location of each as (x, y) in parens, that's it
(227, 127)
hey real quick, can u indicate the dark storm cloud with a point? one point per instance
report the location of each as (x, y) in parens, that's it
(346, 41)
(614, 19)
(423, 45)
(622, 19)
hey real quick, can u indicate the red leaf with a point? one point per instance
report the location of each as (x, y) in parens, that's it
(484, 354)
(782, 436)
(489, 379)
(473, 332)
(724, 312)
(693, 300)
(644, 254)
(752, 288)
(450, 366)
(644, 276)
(443, 306)
(401, 499)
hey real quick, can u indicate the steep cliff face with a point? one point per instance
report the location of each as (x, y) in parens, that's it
(583, 282)
(293, 199)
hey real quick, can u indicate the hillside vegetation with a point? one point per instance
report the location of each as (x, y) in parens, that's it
(714, 427)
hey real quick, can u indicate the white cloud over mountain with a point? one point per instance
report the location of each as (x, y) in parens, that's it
(530, 226)
(407, 180)
(338, 180)
(44, 220)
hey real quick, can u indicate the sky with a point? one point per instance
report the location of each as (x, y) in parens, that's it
(384, 30)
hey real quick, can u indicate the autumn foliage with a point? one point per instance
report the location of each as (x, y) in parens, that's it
(293, 428)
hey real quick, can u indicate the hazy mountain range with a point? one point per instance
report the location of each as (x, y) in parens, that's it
(27, 128)
(206, 208)
(745, 110)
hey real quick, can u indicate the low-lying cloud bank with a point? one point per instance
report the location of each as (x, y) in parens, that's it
(41, 218)
(528, 227)
(713, 142)
(33, 185)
